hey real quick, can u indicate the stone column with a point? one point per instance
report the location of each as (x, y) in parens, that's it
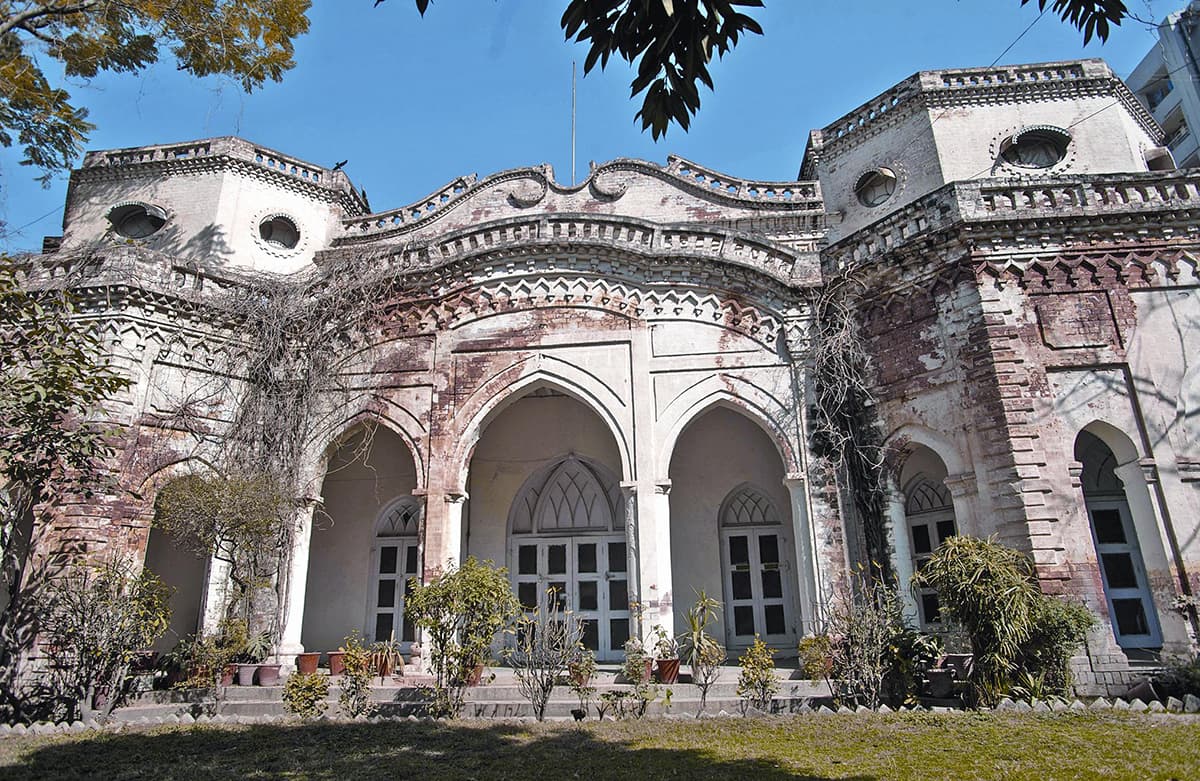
(901, 542)
(215, 590)
(809, 577)
(963, 489)
(655, 533)
(451, 533)
(297, 582)
(632, 558)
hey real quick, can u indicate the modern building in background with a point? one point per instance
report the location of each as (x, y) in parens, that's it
(1167, 82)
(606, 387)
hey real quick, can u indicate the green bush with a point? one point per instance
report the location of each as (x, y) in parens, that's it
(355, 697)
(1179, 679)
(304, 694)
(757, 683)
(461, 612)
(815, 657)
(1017, 633)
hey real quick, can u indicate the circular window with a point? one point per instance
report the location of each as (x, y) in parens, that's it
(280, 231)
(1040, 146)
(875, 186)
(136, 220)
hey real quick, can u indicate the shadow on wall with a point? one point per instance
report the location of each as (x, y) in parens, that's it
(405, 750)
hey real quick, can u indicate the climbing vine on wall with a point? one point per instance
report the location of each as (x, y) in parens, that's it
(845, 426)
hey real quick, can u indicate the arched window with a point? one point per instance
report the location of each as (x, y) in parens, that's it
(1126, 588)
(754, 553)
(929, 511)
(396, 562)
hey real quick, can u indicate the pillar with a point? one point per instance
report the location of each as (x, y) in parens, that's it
(810, 580)
(297, 582)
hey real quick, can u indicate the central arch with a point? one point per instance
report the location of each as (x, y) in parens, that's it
(545, 501)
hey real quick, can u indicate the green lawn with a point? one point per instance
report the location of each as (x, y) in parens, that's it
(867, 746)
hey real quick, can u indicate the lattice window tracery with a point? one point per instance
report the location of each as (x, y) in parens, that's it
(925, 496)
(748, 506)
(573, 496)
(401, 519)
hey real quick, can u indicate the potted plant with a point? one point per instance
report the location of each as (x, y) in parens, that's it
(337, 661)
(581, 667)
(638, 665)
(386, 658)
(251, 656)
(666, 656)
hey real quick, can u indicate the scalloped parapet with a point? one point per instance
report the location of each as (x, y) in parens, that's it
(709, 185)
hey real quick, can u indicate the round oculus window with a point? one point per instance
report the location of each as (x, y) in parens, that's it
(280, 231)
(1040, 146)
(137, 220)
(875, 186)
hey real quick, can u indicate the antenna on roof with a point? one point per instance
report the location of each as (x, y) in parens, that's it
(572, 123)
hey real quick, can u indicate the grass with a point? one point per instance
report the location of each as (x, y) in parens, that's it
(860, 746)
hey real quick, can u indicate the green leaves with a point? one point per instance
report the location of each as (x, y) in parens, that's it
(247, 40)
(1092, 17)
(670, 43)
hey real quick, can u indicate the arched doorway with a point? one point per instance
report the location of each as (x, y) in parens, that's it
(1118, 553)
(731, 531)
(929, 518)
(368, 514)
(545, 500)
(186, 575)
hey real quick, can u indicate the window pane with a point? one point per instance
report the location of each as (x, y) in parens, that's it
(776, 625)
(618, 595)
(945, 529)
(556, 559)
(1130, 617)
(618, 633)
(410, 560)
(1109, 529)
(383, 626)
(387, 593)
(741, 586)
(527, 560)
(407, 634)
(772, 584)
(768, 549)
(387, 560)
(931, 608)
(616, 557)
(1118, 568)
(589, 597)
(743, 620)
(739, 550)
(527, 593)
(921, 542)
(586, 555)
(591, 636)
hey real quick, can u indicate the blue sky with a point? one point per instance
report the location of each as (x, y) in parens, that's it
(484, 85)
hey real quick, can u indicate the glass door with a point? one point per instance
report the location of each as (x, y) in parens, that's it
(754, 587)
(395, 565)
(586, 575)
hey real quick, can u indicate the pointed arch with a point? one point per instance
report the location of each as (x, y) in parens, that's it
(572, 495)
(748, 505)
(343, 431)
(400, 518)
(519, 380)
(749, 400)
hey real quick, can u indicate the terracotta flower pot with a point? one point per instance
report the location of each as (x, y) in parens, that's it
(245, 674)
(306, 664)
(337, 665)
(476, 676)
(268, 674)
(668, 670)
(649, 670)
(228, 674)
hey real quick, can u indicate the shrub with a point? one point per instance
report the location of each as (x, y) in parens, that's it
(815, 655)
(461, 611)
(757, 683)
(634, 666)
(546, 641)
(355, 697)
(97, 619)
(581, 669)
(700, 649)
(1016, 632)
(1180, 678)
(304, 694)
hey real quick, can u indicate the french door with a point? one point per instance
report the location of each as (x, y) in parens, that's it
(1125, 586)
(755, 588)
(586, 575)
(395, 563)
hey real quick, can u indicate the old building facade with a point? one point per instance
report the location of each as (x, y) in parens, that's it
(606, 387)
